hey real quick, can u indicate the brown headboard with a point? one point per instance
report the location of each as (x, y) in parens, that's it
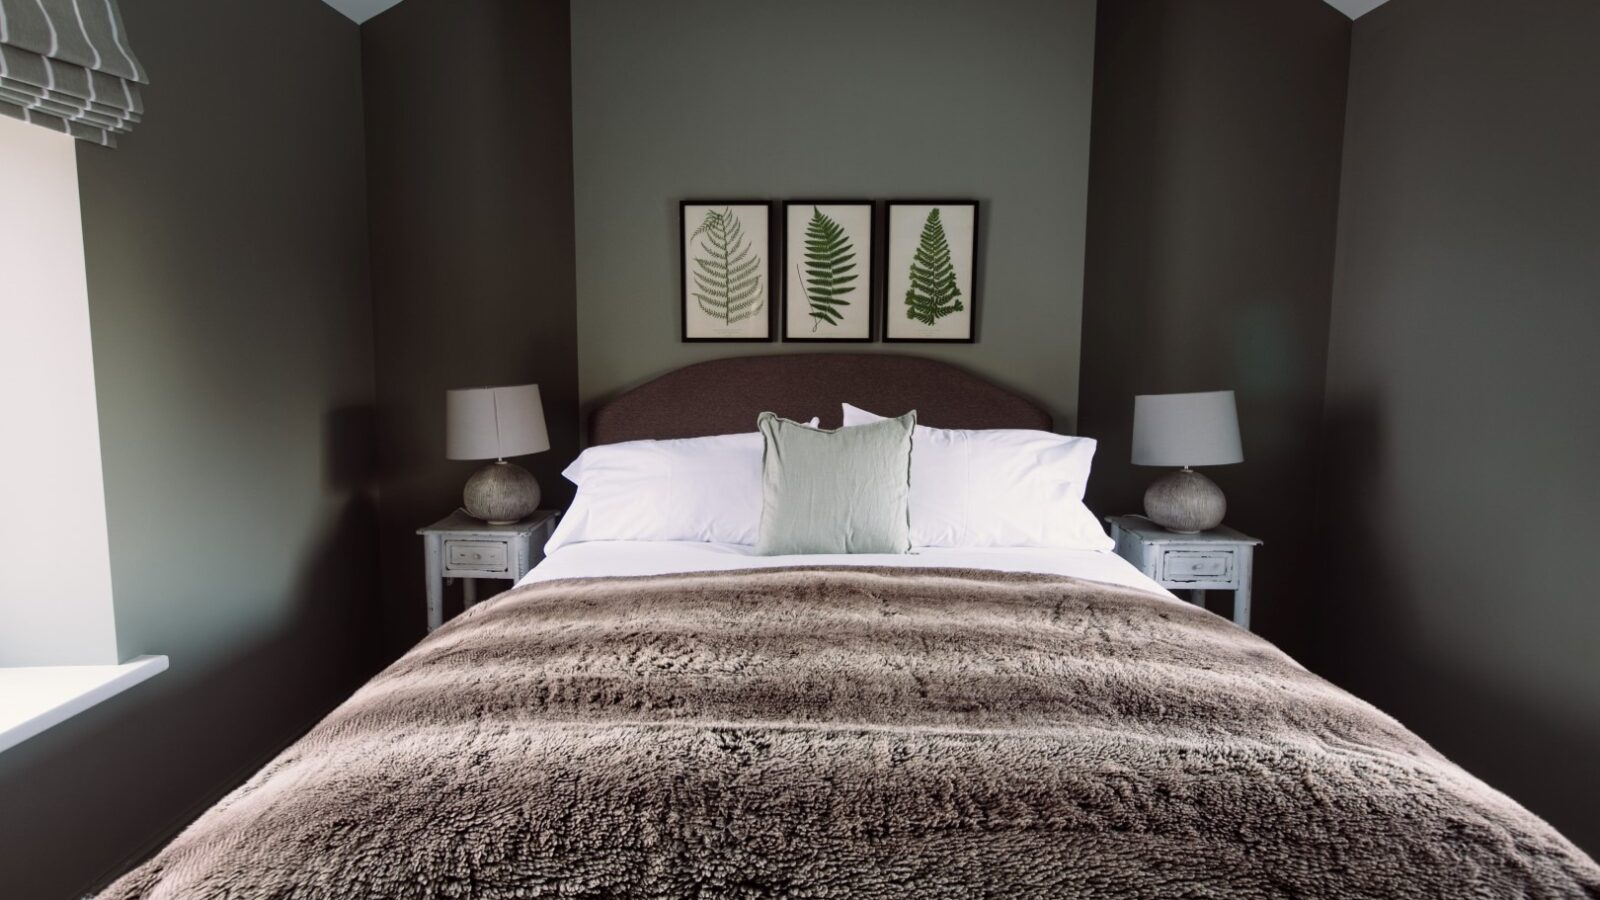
(723, 396)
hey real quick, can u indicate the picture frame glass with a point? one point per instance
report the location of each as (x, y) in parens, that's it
(929, 279)
(727, 272)
(827, 274)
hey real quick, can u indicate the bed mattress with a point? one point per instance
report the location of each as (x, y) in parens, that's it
(608, 558)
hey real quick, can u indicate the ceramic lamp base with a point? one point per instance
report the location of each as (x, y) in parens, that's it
(1185, 502)
(501, 493)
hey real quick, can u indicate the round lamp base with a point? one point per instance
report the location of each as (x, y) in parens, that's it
(1185, 501)
(501, 493)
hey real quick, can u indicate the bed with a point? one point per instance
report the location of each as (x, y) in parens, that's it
(675, 719)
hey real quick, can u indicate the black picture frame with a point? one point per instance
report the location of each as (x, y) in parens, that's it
(887, 305)
(865, 265)
(770, 248)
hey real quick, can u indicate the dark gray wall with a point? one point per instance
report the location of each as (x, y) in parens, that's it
(727, 98)
(1462, 426)
(226, 251)
(1212, 201)
(469, 162)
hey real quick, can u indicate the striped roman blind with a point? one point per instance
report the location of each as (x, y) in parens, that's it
(66, 65)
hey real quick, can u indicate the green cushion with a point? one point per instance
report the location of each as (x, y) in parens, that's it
(840, 491)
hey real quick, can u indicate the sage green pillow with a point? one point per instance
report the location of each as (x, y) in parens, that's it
(842, 491)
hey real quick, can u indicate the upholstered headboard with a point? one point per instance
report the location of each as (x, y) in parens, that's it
(723, 396)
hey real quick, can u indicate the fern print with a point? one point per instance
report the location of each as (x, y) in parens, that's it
(829, 269)
(933, 293)
(727, 270)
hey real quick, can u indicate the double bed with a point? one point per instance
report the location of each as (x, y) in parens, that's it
(674, 719)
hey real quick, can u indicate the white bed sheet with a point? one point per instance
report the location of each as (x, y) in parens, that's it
(598, 559)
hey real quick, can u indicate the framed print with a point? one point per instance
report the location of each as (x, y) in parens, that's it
(726, 247)
(931, 276)
(827, 270)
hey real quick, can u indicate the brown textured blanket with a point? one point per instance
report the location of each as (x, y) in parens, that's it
(857, 733)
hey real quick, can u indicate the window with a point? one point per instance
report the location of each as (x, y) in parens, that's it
(55, 566)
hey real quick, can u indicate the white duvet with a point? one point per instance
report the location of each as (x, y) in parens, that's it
(597, 559)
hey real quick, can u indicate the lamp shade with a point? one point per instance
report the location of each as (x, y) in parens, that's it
(1186, 429)
(494, 422)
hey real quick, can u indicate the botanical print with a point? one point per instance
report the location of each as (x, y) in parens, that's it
(827, 288)
(930, 272)
(830, 267)
(933, 293)
(728, 276)
(726, 289)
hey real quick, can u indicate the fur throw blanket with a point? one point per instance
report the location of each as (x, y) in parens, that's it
(856, 733)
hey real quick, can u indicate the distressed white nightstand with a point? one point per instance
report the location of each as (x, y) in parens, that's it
(459, 546)
(1217, 560)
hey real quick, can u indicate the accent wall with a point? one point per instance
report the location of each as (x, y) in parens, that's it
(832, 99)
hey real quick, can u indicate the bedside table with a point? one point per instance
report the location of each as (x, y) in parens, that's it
(1217, 560)
(459, 546)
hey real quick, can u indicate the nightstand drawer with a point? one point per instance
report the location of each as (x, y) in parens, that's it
(1208, 566)
(1217, 560)
(476, 556)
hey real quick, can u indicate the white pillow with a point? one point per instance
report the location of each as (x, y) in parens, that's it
(1002, 487)
(691, 489)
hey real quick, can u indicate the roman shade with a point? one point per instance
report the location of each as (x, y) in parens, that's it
(66, 65)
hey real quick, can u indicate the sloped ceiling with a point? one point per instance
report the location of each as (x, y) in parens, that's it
(1355, 9)
(361, 10)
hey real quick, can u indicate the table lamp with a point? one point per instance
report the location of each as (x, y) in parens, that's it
(494, 423)
(1185, 430)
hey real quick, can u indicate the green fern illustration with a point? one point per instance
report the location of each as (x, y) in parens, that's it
(933, 293)
(728, 275)
(829, 269)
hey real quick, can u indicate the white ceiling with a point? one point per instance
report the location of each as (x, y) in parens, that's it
(361, 10)
(1355, 9)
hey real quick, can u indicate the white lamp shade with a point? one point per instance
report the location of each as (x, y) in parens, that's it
(494, 422)
(1186, 429)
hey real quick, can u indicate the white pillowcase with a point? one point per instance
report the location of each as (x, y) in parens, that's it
(690, 489)
(1001, 487)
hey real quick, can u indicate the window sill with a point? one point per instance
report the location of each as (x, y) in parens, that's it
(33, 698)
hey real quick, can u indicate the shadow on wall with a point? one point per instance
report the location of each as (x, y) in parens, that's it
(170, 748)
(1370, 626)
(349, 442)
